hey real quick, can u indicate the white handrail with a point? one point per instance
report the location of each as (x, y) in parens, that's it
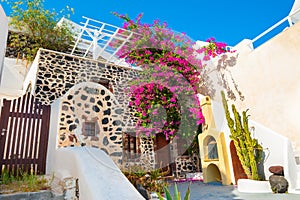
(276, 25)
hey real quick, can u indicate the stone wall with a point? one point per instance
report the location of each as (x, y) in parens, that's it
(90, 91)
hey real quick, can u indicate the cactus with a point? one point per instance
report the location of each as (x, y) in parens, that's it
(248, 149)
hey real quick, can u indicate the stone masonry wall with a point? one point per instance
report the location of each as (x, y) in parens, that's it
(78, 82)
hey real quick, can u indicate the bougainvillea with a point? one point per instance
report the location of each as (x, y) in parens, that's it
(169, 79)
(213, 49)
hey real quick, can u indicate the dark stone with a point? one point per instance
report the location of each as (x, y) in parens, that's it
(52, 98)
(117, 154)
(102, 92)
(83, 97)
(143, 191)
(68, 58)
(107, 98)
(46, 88)
(100, 103)
(117, 122)
(72, 127)
(37, 90)
(70, 97)
(278, 184)
(58, 71)
(105, 121)
(47, 75)
(277, 170)
(113, 138)
(107, 112)
(119, 111)
(92, 100)
(61, 62)
(105, 141)
(95, 108)
(62, 137)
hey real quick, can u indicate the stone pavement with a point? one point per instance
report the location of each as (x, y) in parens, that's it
(202, 191)
(215, 191)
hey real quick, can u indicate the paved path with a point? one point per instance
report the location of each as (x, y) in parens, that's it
(201, 191)
(215, 191)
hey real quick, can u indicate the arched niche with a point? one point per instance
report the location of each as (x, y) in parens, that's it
(213, 173)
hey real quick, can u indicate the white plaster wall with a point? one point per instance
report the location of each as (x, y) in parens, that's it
(99, 177)
(269, 77)
(3, 38)
(31, 75)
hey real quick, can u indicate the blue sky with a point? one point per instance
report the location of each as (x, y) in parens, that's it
(228, 21)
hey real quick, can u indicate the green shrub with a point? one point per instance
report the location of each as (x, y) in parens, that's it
(37, 28)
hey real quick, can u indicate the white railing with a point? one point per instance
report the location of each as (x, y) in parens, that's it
(101, 41)
(288, 19)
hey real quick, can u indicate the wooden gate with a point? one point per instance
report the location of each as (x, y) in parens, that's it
(24, 129)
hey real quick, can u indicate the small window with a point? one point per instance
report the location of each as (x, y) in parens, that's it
(89, 129)
(210, 148)
(131, 151)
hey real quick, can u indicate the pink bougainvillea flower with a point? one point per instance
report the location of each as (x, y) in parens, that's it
(155, 48)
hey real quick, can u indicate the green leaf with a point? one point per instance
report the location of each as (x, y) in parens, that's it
(187, 194)
(176, 193)
(167, 193)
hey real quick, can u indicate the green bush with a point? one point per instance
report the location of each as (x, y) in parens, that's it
(36, 27)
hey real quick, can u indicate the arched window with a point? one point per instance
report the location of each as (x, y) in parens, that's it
(211, 149)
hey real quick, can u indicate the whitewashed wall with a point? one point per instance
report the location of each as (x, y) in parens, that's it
(269, 77)
(3, 38)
